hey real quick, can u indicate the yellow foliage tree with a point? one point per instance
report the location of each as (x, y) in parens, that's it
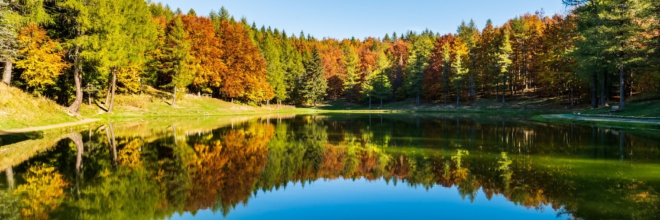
(42, 61)
(42, 193)
(129, 78)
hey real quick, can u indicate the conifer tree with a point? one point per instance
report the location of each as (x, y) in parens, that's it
(380, 82)
(446, 69)
(469, 33)
(504, 59)
(315, 84)
(76, 14)
(351, 61)
(177, 60)
(458, 68)
(275, 69)
(420, 50)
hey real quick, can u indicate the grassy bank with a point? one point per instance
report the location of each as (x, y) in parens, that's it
(644, 109)
(19, 109)
(642, 113)
(145, 106)
(599, 121)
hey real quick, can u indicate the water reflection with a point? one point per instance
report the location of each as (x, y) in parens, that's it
(155, 171)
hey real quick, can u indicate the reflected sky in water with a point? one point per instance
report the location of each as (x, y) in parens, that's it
(377, 199)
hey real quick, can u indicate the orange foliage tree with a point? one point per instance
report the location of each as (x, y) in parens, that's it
(245, 76)
(206, 51)
(436, 76)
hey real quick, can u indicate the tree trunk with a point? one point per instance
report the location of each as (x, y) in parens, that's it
(77, 78)
(497, 91)
(622, 89)
(504, 90)
(417, 99)
(381, 103)
(77, 140)
(631, 84)
(107, 94)
(10, 178)
(572, 98)
(114, 145)
(458, 98)
(603, 91)
(594, 92)
(6, 75)
(174, 97)
(473, 92)
(369, 102)
(112, 92)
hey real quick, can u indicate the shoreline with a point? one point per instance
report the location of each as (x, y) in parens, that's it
(548, 116)
(615, 121)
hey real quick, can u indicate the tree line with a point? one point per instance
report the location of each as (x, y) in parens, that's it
(66, 49)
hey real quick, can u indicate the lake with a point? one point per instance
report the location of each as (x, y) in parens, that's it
(347, 166)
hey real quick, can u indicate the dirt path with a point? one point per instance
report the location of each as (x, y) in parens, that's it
(602, 119)
(48, 127)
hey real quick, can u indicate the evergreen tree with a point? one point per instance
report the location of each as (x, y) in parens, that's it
(275, 68)
(295, 71)
(192, 12)
(417, 62)
(446, 69)
(351, 61)
(504, 60)
(380, 82)
(469, 34)
(458, 68)
(612, 34)
(315, 84)
(80, 41)
(177, 60)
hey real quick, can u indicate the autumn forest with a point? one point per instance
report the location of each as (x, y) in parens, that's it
(73, 50)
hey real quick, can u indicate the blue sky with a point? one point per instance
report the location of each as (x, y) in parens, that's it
(362, 18)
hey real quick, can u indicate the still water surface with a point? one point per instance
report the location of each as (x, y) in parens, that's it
(336, 166)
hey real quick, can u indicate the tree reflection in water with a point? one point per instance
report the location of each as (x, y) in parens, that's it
(116, 174)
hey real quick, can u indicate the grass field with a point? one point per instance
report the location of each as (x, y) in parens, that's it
(633, 109)
(19, 109)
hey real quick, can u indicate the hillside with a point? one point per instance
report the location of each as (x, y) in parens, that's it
(19, 109)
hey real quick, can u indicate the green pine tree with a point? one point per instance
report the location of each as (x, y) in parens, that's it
(418, 60)
(315, 84)
(380, 82)
(275, 67)
(177, 60)
(351, 61)
(468, 33)
(504, 60)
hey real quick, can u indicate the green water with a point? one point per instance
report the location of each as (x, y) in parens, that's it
(339, 166)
